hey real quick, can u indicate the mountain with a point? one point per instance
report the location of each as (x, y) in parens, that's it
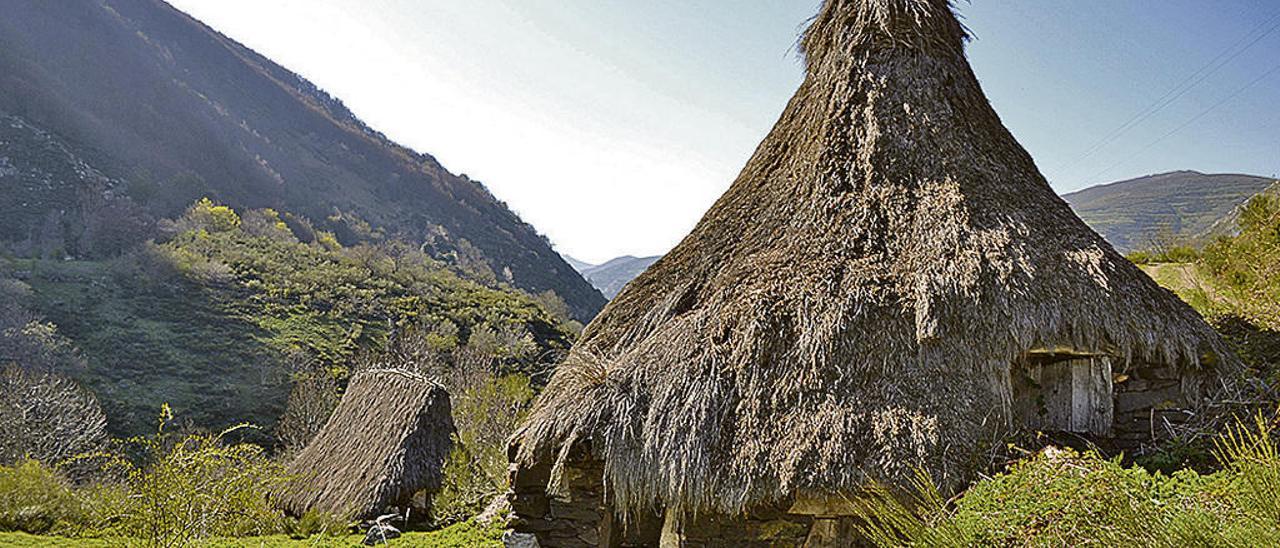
(1181, 204)
(613, 275)
(163, 110)
(580, 266)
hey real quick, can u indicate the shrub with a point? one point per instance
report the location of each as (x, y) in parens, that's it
(1246, 267)
(206, 215)
(485, 415)
(1062, 498)
(36, 499)
(198, 486)
(184, 489)
(1173, 254)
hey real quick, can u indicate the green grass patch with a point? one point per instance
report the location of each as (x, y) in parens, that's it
(463, 535)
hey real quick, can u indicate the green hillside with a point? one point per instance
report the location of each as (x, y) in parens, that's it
(206, 319)
(1176, 205)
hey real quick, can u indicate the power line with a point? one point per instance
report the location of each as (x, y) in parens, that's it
(1193, 119)
(1187, 84)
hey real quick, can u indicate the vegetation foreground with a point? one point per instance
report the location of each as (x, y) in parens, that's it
(463, 535)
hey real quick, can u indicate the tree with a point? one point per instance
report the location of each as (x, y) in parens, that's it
(47, 417)
(44, 415)
(312, 399)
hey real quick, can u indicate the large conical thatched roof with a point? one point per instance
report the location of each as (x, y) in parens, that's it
(388, 439)
(850, 308)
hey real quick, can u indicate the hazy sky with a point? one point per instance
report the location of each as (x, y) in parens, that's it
(611, 125)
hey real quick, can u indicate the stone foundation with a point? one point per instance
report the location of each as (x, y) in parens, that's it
(578, 515)
(758, 529)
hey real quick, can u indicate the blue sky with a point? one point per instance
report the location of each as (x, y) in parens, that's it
(611, 125)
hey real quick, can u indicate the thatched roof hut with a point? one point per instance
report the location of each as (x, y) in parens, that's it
(388, 439)
(865, 300)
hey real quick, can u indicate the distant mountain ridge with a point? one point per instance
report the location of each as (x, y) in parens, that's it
(614, 274)
(1181, 204)
(175, 111)
(580, 266)
(1191, 205)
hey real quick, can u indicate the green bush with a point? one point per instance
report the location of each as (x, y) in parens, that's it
(485, 415)
(199, 487)
(1246, 267)
(36, 499)
(182, 488)
(1063, 498)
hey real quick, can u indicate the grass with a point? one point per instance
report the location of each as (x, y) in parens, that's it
(1191, 285)
(463, 535)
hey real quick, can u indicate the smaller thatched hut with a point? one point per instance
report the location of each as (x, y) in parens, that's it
(387, 440)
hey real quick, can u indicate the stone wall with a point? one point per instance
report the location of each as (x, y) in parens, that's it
(577, 515)
(1148, 399)
(759, 529)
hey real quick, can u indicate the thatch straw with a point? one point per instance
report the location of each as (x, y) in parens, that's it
(387, 440)
(849, 310)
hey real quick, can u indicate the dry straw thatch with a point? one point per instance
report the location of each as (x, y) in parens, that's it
(388, 439)
(850, 308)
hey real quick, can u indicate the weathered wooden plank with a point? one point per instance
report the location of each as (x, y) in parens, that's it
(1056, 385)
(1103, 389)
(1081, 394)
(670, 537)
(1073, 395)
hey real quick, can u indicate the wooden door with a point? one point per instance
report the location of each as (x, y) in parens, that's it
(1064, 394)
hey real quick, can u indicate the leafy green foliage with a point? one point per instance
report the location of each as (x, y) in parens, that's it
(330, 301)
(197, 486)
(485, 414)
(1247, 267)
(1062, 498)
(174, 490)
(1174, 254)
(35, 499)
